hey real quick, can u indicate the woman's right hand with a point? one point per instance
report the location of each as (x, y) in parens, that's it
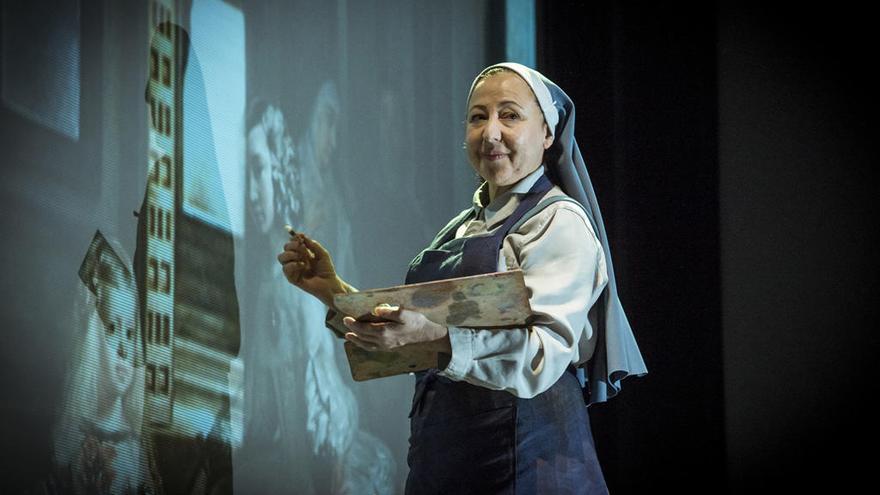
(307, 265)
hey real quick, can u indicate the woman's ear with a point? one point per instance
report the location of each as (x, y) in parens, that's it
(548, 138)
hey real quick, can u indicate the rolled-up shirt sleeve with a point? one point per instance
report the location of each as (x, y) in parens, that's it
(564, 271)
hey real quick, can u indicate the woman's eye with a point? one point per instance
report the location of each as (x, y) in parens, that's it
(510, 116)
(111, 328)
(476, 117)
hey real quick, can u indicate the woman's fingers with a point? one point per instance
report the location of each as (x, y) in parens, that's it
(369, 338)
(371, 332)
(296, 259)
(360, 342)
(388, 312)
(362, 327)
(372, 336)
(316, 248)
(293, 266)
(298, 247)
(288, 256)
(295, 270)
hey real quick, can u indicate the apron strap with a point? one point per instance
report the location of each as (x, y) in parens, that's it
(545, 203)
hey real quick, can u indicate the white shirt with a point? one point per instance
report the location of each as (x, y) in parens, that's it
(564, 269)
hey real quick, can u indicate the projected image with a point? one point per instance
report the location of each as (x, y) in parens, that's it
(198, 131)
(98, 446)
(302, 417)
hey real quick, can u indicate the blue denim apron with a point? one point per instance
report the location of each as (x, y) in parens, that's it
(469, 439)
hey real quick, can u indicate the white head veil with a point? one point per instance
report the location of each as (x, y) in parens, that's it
(616, 355)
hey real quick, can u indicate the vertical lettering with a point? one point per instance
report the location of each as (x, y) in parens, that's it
(165, 379)
(166, 270)
(166, 71)
(150, 377)
(154, 64)
(166, 166)
(152, 273)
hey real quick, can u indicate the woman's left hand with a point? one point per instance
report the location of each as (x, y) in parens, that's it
(405, 327)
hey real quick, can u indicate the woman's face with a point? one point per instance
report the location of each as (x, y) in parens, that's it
(260, 191)
(118, 304)
(506, 134)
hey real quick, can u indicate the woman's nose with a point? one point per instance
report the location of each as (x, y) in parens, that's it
(120, 351)
(492, 130)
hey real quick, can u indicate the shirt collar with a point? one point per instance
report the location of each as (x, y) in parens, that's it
(504, 204)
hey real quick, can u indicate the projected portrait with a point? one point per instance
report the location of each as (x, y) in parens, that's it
(301, 416)
(271, 174)
(98, 434)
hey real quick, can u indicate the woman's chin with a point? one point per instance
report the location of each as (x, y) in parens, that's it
(494, 172)
(501, 178)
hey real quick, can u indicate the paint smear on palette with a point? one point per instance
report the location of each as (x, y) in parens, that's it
(428, 297)
(461, 310)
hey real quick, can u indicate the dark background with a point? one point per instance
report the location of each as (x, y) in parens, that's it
(728, 144)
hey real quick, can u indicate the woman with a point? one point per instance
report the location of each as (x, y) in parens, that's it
(506, 415)
(294, 384)
(97, 438)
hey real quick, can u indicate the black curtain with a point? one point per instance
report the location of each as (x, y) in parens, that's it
(730, 144)
(643, 80)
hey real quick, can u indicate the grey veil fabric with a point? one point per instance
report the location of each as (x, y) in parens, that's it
(616, 355)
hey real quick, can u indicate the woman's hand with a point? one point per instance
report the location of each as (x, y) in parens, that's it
(406, 327)
(307, 265)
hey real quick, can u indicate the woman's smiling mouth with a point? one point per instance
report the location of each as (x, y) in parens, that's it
(494, 156)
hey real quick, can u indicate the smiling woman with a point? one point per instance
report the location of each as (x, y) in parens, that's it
(507, 413)
(506, 132)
